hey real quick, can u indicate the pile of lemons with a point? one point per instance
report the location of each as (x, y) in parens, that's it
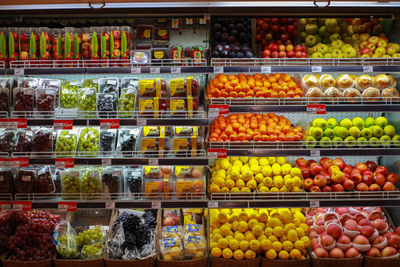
(245, 233)
(250, 174)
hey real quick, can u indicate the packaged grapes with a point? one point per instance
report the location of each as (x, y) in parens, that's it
(189, 171)
(154, 146)
(69, 94)
(194, 247)
(70, 184)
(127, 102)
(5, 89)
(153, 88)
(43, 140)
(44, 181)
(188, 131)
(111, 178)
(141, 57)
(23, 141)
(134, 180)
(91, 83)
(25, 180)
(184, 87)
(158, 188)
(92, 251)
(7, 183)
(127, 139)
(26, 82)
(89, 141)
(87, 102)
(52, 84)
(7, 140)
(46, 102)
(129, 82)
(189, 188)
(109, 85)
(23, 99)
(65, 241)
(107, 105)
(90, 183)
(92, 242)
(171, 249)
(157, 172)
(157, 131)
(67, 142)
(187, 146)
(108, 140)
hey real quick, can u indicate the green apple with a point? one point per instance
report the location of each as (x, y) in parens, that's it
(366, 133)
(396, 140)
(311, 28)
(377, 131)
(303, 22)
(337, 53)
(369, 122)
(341, 132)
(389, 130)
(311, 40)
(362, 141)
(373, 141)
(335, 37)
(325, 142)
(346, 123)
(350, 141)
(310, 141)
(320, 122)
(358, 122)
(329, 132)
(332, 123)
(355, 132)
(317, 133)
(337, 141)
(344, 47)
(380, 51)
(331, 23)
(323, 31)
(303, 35)
(385, 140)
(381, 121)
(323, 48)
(328, 55)
(397, 55)
(317, 55)
(350, 52)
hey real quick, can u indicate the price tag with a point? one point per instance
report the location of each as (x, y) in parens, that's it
(368, 69)
(315, 153)
(316, 68)
(112, 82)
(213, 204)
(136, 70)
(18, 123)
(153, 162)
(4, 163)
(218, 69)
(176, 70)
(19, 162)
(22, 205)
(154, 70)
(110, 205)
(19, 71)
(316, 109)
(63, 124)
(217, 153)
(5, 205)
(156, 205)
(141, 122)
(65, 206)
(265, 69)
(64, 163)
(109, 124)
(106, 162)
(314, 204)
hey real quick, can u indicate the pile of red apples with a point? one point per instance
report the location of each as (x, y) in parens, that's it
(352, 232)
(336, 176)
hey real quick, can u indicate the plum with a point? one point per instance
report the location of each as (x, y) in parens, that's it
(217, 27)
(231, 39)
(224, 30)
(224, 53)
(234, 32)
(224, 36)
(240, 54)
(240, 27)
(248, 54)
(227, 48)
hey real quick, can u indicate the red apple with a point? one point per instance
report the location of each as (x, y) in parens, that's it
(315, 189)
(398, 230)
(371, 165)
(351, 253)
(320, 180)
(348, 185)
(344, 239)
(373, 252)
(336, 253)
(347, 169)
(364, 222)
(315, 169)
(282, 54)
(334, 230)
(308, 183)
(362, 187)
(301, 162)
(388, 186)
(367, 179)
(394, 241)
(367, 230)
(361, 166)
(321, 253)
(379, 179)
(374, 187)
(290, 54)
(337, 177)
(266, 53)
(382, 170)
(310, 162)
(379, 224)
(326, 240)
(388, 252)
(393, 178)
(327, 188)
(379, 242)
(305, 172)
(339, 162)
(337, 188)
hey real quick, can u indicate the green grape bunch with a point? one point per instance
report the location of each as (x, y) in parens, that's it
(67, 247)
(126, 103)
(87, 101)
(89, 140)
(70, 184)
(66, 142)
(90, 236)
(69, 95)
(91, 183)
(93, 251)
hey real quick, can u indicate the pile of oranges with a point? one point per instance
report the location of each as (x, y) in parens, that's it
(254, 127)
(276, 85)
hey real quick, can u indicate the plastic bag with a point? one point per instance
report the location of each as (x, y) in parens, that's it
(44, 181)
(90, 183)
(43, 140)
(87, 102)
(25, 180)
(92, 251)
(171, 249)
(127, 102)
(69, 94)
(67, 141)
(65, 241)
(24, 141)
(6, 181)
(89, 141)
(115, 244)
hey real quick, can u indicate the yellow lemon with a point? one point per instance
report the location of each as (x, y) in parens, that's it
(274, 189)
(216, 237)
(274, 222)
(292, 235)
(233, 244)
(240, 184)
(268, 182)
(264, 189)
(235, 190)
(243, 216)
(261, 238)
(227, 253)
(283, 238)
(213, 245)
(300, 232)
(295, 254)
(266, 171)
(216, 252)
(235, 225)
(245, 190)
(299, 245)
(287, 245)
(283, 255)
(229, 238)
(242, 226)
(250, 254)
(281, 160)
(286, 167)
(252, 223)
(296, 181)
(254, 245)
(219, 181)
(244, 245)
(266, 244)
(289, 184)
(271, 160)
(257, 230)
(263, 162)
(277, 246)
(295, 171)
(276, 169)
(225, 190)
(222, 218)
(306, 241)
(224, 230)
(214, 188)
(230, 183)
(259, 178)
(296, 189)
(252, 184)
(268, 231)
(272, 238)
(289, 226)
(304, 226)
(271, 254)
(222, 243)
(278, 231)
(239, 237)
(249, 237)
(238, 255)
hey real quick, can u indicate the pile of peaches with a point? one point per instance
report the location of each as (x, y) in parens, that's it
(254, 127)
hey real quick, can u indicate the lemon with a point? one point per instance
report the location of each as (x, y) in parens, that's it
(283, 255)
(289, 184)
(249, 237)
(252, 184)
(254, 245)
(306, 241)
(274, 189)
(216, 252)
(300, 232)
(238, 255)
(222, 243)
(229, 183)
(271, 160)
(272, 238)
(259, 178)
(287, 245)
(214, 188)
(225, 190)
(237, 163)
(257, 230)
(281, 160)
(234, 244)
(261, 238)
(268, 182)
(271, 254)
(268, 231)
(278, 181)
(295, 171)
(264, 189)
(244, 159)
(240, 184)
(227, 253)
(255, 169)
(235, 190)
(295, 254)
(244, 245)
(278, 231)
(224, 230)
(277, 246)
(216, 237)
(222, 218)
(292, 235)
(239, 237)
(219, 181)
(283, 238)
(276, 169)
(266, 171)
(274, 222)
(266, 244)
(243, 216)
(263, 162)
(229, 238)
(286, 168)
(296, 189)
(296, 181)
(304, 226)
(299, 245)
(250, 254)
(252, 223)
(235, 225)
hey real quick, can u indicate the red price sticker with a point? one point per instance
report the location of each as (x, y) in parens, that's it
(67, 206)
(317, 109)
(217, 153)
(109, 124)
(18, 123)
(215, 110)
(5, 205)
(22, 205)
(19, 162)
(64, 163)
(63, 124)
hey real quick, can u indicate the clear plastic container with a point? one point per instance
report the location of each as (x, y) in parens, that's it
(13, 44)
(158, 188)
(153, 88)
(154, 146)
(91, 185)
(86, 37)
(43, 140)
(133, 180)
(52, 84)
(188, 131)
(112, 180)
(127, 140)
(105, 44)
(189, 171)
(107, 105)
(109, 85)
(87, 102)
(25, 180)
(194, 247)
(153, 107)
(44, 181)
(70, 184)
(23, 141)
(157, 172)
(46, 100)
(183, 107)
(171, 217)
(89, 141)
(32, 83)
(7, 140)
(188, 188)
(141, 57)
(67, 142)
(23, 40)
(5, 89)
(187, 146)
(115, 44)
(127, 102)
(69, 49)
(56, 44)
(157, 131)
(171, 249)
(158, 55)
(128, 35)
(184, 87)
(7, 183)
(145, 32)
(69, 94)
(45, 44)
(129, 82)
(108, 140)
(94, 46)
(171, 231)
(23, 99)
(193, 230)
(161, 34)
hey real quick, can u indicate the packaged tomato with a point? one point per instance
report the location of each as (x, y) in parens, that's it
(183, 107)
(190, 188)
(153, 88)
(126, 41)
(145, 32)
(189, 171)
(155, 146)
(3, 47)
(153, 107)
(187, 146)
(115, 44)
(157, 172)
(158, 188)
(158, 131)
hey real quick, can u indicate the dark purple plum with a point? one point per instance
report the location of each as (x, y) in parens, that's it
(227, 48)
(242, 35)
(240, 27)
(231, 39)
(217, 27)
(224, 37)
(240, 55)
(236, 48)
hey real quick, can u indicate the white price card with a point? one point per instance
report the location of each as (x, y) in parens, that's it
(106, 162)
(368, 69)
(153, 162)
(265, 69)
(19, 71)
(316, 68)
(314, 204)
(218, 69)
(154, 70)
(213, 204)
(136, 70)
(141, 122)
(110, 205)
(175, 70)
(315, 153)
(156, 205)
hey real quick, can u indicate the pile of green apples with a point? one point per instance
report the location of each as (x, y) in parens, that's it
(349, 133)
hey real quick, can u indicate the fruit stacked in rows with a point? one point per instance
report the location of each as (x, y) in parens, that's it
(277, 85)
(264, 174)
(356, 132)
(254, 127)
(350, 88)
(272, 233)
(337, 176)
(351, 232)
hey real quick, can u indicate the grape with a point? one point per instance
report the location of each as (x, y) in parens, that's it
(70, 183)
(43, 140)
(24, 141)
(89, 141)
(90, 183)
(126, 103)
(44, 182)
(66, 141)
(6, 181)
(67, 247)
(87, 101)
(107, 141)
(111, 179)
(69, 94)
(93, 251)
(91, 236)
(91, 83)
(7, 140)
(134, 180)
(25, 180)
(106, 104)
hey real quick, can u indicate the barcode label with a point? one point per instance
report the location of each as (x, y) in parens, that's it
(265, 69)
(218, 69)
(176, 70)
(136, 70)
(19, 71)
(154, 70)
(316, 68)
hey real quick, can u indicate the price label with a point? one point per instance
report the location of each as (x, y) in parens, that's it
(217, 153)
(141, 122)
(368, 69)
(112, 82)
(315, 153)
(63, 124)
(106, 162)
(154, 70)
(265, 69)
(213, 204)
(156, 205)
(218, 69)
(110, 205)
(109, 124)
(136, 70)
(5, 205)
(18, 123)
(175, 70)
(19, 71)
(314, 204)
(316, 109)
(22, 205)
(65, 163)
(153, 162)
(316, 68)
(19, 162)
(65, 206)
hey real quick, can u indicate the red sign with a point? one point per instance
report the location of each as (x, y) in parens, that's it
(5, 205)
(217, 153)
(67, 206)
(19, 162)
(64, 163)
(109, 124)
(63, 124)
(18, 123)
(317, 109)
(223, 109)
(22, 205)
